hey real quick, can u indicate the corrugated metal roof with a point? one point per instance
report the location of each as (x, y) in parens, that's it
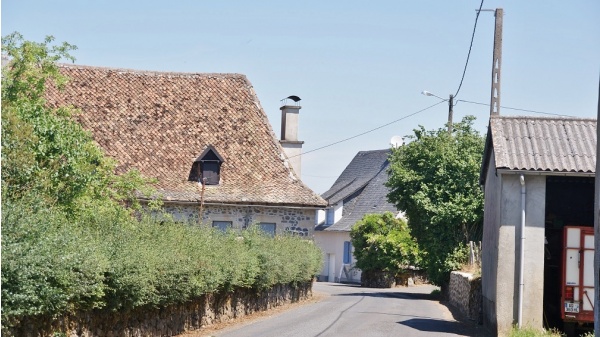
(543, 144)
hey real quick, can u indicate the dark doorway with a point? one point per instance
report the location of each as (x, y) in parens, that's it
(569, 202)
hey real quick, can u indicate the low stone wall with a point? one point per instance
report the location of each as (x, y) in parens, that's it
(377, 279)
(168, 321)
(465, 294)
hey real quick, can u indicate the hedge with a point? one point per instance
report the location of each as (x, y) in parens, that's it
(52, 264)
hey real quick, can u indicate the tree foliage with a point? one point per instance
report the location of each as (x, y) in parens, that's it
(44, 151)
(383, 243)
(435, 180)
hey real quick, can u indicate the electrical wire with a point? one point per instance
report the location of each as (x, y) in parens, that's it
(519, 109)
(470, 46)
(417, 112)
(369, 131)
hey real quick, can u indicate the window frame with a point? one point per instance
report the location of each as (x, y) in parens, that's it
(347, 256)
(217, 225)
(269, 232)
(207, 167)
(330, 216)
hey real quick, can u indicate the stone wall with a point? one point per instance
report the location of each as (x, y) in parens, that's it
(167, 321)
(377, 279)
(298, 221)
(465, 294)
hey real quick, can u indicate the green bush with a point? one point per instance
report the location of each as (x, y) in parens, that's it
(383, 243)
(52, 264)
(48, 267)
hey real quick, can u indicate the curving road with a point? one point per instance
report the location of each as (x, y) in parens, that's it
(348, 310)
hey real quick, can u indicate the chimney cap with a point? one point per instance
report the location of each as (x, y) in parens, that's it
(294, 98)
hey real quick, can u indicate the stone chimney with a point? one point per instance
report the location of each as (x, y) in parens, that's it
(289, 136)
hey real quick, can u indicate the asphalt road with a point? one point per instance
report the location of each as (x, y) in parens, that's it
(347, 310)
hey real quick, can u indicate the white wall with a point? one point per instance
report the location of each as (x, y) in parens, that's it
(332, 243)
(500, 256)
(320, 216)
(338, 211)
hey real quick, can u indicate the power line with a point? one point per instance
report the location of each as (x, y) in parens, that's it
(519, 109)
(369, 131)
(470, 46)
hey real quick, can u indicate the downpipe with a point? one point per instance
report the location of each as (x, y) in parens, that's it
(521, 253)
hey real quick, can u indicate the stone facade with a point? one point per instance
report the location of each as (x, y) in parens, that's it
(167, 321)
(299, 221)
(465, 295)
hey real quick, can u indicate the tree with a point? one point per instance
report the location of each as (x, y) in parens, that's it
(383, 243)
(435, 180)
(44, 151)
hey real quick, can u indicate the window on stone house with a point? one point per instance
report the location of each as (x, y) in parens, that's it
(207, 167)
(222, 225)
(268, 227)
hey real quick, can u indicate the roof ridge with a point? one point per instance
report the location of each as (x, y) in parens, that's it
(588, 119)
(373, 151)
(154, 72)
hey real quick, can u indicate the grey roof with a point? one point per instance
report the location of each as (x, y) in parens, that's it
(565, 145)
(367, 174)
(363, 167)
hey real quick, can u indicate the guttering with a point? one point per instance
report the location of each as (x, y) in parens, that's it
(521, 252)
(545, 173)
(233, 204)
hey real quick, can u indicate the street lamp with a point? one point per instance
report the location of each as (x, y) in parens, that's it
(450, 107)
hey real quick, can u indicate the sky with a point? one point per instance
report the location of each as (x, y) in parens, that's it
(356, 65)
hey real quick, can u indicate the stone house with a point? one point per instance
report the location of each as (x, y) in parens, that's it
(359, 190)
(187, 128)
(538, 176)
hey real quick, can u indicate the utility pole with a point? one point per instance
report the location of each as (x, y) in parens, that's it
(450, 112)
(497, 64)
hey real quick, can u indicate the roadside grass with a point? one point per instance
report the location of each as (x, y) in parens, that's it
(531, 332)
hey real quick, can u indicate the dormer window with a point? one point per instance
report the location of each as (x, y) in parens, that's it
(207, 167)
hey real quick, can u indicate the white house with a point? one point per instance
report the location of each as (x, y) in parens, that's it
(359, 190)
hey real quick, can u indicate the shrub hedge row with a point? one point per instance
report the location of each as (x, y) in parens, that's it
(52, 264)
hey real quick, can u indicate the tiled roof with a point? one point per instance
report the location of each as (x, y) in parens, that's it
(566, 145)
(159, 123)
(369, 167)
